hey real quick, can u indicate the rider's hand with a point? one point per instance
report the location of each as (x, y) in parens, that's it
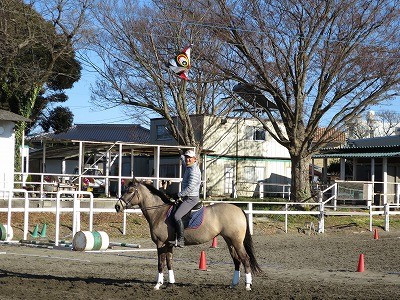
(175, 198)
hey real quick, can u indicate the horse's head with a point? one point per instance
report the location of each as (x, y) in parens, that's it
(129, 199)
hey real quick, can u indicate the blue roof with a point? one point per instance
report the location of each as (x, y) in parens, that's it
(383, 141)
(357, 155)
(126, 133)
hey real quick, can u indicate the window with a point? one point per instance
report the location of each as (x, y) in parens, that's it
(255, 133)
(259, 134)
(253, 174)
(163, 133)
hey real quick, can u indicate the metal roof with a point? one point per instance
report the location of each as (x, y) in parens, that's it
(127, 133)
(357, 155)
(97, 138)
(383, 141)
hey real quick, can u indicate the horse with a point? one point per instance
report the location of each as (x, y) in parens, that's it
(223, 219)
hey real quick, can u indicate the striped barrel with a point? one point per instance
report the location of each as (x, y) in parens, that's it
(90, 240)
(4, 235)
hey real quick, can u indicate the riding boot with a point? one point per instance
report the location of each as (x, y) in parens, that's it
(179, 233)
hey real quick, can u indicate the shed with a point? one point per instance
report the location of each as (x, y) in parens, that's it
(375, 160)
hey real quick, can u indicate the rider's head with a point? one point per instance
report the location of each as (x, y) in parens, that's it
(190, 157)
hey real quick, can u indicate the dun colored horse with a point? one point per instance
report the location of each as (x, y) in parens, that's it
(223, 219)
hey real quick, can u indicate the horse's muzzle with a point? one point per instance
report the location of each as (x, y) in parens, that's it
(117, 207)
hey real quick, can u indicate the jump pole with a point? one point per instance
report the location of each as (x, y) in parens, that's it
(48, 244)
(125, 245)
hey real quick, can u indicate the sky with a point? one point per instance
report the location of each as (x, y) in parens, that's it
(87, 113)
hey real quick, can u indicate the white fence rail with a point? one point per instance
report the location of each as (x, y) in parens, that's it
(321, 209)
(76, 210)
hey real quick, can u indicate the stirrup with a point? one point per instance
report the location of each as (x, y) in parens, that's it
(180, 243)
(174, 243)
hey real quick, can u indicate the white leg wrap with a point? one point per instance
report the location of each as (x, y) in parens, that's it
(160, 281)
(235, 279)
(171, 276)
(249, 281)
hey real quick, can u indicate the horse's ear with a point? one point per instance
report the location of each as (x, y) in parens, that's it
(135, 180)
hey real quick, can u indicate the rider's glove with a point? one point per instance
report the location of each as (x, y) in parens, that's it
(176, 198)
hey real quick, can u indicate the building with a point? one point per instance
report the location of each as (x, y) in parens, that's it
(237, 154)
(7, 145)
(374, 161)
(59, 153)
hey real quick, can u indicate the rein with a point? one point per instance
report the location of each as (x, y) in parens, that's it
(136, 192)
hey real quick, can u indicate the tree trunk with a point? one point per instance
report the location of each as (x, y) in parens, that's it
(300, 182)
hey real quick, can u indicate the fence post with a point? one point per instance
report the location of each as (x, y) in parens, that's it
(250, 208)
(286, 217)
(335, 192)
(124, 223)
(387, 213)
(58, 208)
(370, 217)
(321, 223)
(26, 215)
(76, 215)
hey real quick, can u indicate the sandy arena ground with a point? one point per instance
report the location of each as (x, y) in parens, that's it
(295, 265)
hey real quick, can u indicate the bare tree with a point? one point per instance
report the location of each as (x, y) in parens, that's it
(133, 43)
(371, 124)
(388, 122)
(323, 63)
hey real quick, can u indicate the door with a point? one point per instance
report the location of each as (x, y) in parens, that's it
(229, 175)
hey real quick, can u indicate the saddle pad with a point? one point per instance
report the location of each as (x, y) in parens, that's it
(196, 217)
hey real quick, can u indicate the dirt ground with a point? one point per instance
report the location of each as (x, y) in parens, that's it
(295, 266)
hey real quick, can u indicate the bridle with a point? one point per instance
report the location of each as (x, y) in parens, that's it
(125, 204)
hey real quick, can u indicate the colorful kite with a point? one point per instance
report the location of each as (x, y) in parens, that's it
(180, 65)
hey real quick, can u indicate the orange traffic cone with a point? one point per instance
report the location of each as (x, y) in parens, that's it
(202, 264)
(376, 235)
(361, 263)
(214, 242)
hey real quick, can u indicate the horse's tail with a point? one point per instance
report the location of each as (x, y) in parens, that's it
(248, 245)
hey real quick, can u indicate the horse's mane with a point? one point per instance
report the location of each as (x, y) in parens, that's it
(157, 192)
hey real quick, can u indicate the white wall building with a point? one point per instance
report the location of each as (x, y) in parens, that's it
(7, 146)
(237, 152)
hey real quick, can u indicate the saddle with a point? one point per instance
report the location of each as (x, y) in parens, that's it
(193, 219)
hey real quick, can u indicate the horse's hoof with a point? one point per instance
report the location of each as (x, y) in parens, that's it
(157, 286)
(248, 287)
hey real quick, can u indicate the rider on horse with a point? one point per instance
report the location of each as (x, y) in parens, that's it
(189, 194)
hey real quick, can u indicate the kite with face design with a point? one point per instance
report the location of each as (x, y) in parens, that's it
(180, 64)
